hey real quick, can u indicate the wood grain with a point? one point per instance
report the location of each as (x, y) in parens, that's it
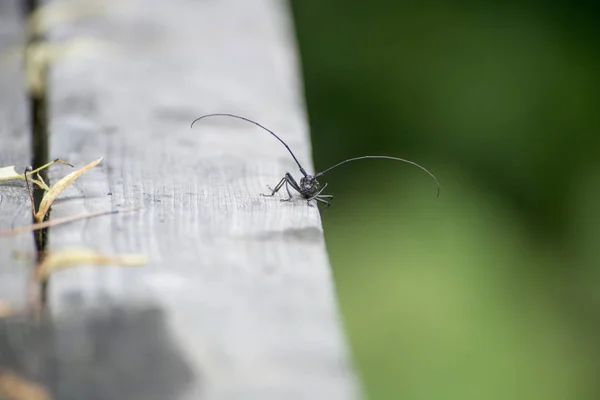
(243, 281)
(16, 252)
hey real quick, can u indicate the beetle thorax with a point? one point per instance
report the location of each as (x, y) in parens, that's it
(309, 185)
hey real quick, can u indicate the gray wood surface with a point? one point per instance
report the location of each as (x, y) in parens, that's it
(238, 300)
(16, 253)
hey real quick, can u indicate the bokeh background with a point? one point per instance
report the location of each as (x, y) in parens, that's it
(492, 290)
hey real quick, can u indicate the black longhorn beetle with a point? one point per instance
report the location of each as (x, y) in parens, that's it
(309, 188)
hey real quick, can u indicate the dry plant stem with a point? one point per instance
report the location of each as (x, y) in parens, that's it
(38, 234)
(56, 160)
(28, 171)
(73, 258)
(39, 284)
(59, 221)
(17, 176)
(58, 187)
(55, 190)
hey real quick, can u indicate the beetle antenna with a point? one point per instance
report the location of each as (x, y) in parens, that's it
(260, 126)
(386, 157)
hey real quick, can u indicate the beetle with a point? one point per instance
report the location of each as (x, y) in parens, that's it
(309, 187)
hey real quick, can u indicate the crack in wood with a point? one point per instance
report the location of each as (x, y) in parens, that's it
(38, 116)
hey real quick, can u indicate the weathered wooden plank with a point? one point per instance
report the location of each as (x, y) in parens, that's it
(242, 281)
(15, 208)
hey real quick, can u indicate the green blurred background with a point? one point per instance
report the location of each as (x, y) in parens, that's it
(490, 291)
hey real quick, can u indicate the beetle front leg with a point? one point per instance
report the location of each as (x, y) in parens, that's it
(318, 193)
(273, 191)
(289, 180)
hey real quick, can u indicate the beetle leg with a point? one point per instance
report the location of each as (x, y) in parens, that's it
(273, 191)
(290, 181)
(318, 193)
(322, 199)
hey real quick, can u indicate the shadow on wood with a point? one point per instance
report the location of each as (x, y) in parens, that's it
(97, 355)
